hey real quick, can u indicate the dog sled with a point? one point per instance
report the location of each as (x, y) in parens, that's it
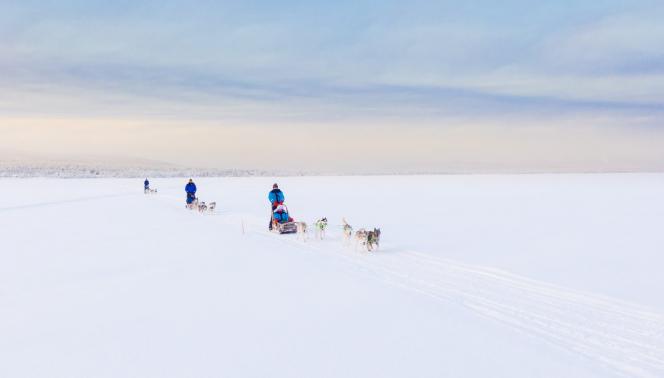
(285, 228)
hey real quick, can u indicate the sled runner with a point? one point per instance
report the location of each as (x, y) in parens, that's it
(285, 228)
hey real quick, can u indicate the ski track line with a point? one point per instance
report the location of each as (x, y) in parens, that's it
(63, 202)
(91, 279)
(628, 312)
(626, 352)
(624, 338)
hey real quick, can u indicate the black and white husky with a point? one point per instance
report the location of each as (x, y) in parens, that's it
(373, 240)
(202, 207)
(321, 226)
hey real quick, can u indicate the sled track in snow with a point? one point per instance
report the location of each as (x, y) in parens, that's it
(624, 338)
(65, 201)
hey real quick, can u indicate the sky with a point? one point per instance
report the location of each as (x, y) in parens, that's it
(417, 86)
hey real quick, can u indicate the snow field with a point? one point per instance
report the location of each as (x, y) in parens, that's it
(477, 276)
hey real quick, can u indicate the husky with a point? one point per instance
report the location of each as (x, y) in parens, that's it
(361, 237)
(302, 230)
(212, 206)
(367, 239)
(347, 230)
(373, 239)
(320, 225)
(202, 207)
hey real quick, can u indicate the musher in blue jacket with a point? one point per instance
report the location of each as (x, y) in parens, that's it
(276, 197)
(191, 191)
(146, 185)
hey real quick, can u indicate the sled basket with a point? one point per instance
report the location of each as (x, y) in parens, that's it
(287, 228)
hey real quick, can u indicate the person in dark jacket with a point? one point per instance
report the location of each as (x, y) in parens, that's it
(146, 185)
(276, 198)
(190, 188)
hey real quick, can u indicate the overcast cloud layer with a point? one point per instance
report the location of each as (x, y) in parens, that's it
(415, 85)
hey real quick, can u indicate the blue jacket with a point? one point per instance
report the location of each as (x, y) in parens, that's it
(146, 183)
(190, 188)
(276, 195)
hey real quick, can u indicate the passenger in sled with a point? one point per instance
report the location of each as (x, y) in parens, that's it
(280, 214)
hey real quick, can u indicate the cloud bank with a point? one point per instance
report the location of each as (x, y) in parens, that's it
(393, 85)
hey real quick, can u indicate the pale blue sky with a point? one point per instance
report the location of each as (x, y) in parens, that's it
(237, 70)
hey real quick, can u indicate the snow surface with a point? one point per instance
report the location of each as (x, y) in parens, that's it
(477, 276)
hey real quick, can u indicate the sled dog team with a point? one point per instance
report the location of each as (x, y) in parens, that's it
(192, 201)
(201, 206)
(282, 222)
(367, 239)
(147, 189)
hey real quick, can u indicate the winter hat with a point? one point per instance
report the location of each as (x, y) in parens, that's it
(275, 186)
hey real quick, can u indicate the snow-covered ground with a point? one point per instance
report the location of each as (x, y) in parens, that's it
(477, 276)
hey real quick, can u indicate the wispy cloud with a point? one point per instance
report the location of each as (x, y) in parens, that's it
(350, 64)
